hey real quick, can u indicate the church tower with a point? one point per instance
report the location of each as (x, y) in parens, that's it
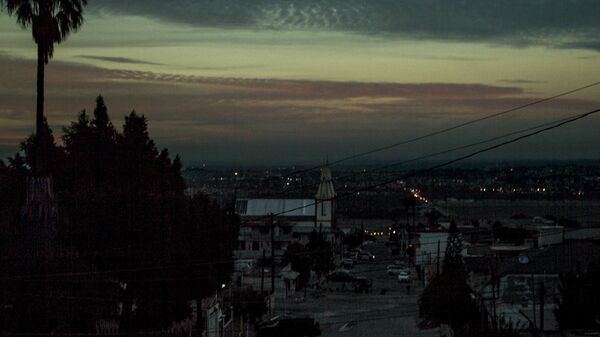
(325, 202)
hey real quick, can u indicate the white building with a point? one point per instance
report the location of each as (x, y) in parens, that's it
(293, 220)
(325, 202)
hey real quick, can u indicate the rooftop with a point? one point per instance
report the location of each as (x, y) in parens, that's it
(279, 207)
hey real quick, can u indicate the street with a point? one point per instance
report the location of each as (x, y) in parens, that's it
(387, 310)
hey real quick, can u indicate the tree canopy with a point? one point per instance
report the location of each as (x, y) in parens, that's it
(125, 226)
(447, 297)
(579, 305)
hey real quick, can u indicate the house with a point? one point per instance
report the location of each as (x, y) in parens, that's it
(430, 247)
(293, 219)
(522, 290)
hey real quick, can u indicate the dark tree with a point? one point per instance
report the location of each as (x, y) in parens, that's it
(299, 258)
(248, 303)
(579, 304)
(321, 254)
(410, 204)
(353, 240)
(447, 298)
(126, 229)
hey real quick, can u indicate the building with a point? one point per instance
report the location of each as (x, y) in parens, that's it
(272, 224)
(430, 248)
(325, 202)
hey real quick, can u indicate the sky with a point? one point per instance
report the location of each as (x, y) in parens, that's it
(292, 82)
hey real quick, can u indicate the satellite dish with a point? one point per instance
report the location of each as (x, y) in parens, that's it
(523, 259)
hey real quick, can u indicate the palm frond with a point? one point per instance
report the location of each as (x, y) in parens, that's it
(22, 9)
(51, 21)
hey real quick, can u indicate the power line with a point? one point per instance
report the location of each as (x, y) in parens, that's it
(464, 146)
(434, 154)
(445, 130)
(461, 158)
(546, 127)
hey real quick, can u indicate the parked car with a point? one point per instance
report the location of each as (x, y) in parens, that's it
(362, 285)
(348, 263)
(355, 251)
(366, 256)
(273, 319)
(404, 277)
(288, 326)
(394, 269)
(366, 243)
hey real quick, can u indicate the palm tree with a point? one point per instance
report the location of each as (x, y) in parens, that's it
(51, 21)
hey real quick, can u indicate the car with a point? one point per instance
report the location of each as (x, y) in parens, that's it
(366, 256)
(362, 284)
(366, 243)
(348, 263)
(288, 326)
(393, 269)
(355, 251)
(404, 277)
(273, 319)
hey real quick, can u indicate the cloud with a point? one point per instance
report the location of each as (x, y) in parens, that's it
(554, 23)
(520, 81)
(125, 60)
(258, 120)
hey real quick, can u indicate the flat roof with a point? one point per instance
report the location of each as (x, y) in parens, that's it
(279, 207)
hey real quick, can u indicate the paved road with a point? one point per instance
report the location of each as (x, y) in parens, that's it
(376, 314)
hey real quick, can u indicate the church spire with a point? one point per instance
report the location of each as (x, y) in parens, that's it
(326, 190)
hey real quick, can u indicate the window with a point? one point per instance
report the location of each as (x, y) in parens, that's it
(323, 213)
(255, 246)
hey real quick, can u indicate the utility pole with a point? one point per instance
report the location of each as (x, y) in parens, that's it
(262, 272)
(272, 255)
(438, 259)
(542, 294)
(494, 283)
(533, 299)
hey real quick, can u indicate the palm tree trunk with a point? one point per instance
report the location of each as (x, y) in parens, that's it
(38, 170)
(39, 116)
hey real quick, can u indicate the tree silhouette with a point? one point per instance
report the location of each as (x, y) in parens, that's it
(297, 255)
(51, 21)
(579, 304)
(453, 262)
(321, 254)
(410, 203)
(124, 217)
(447, 298)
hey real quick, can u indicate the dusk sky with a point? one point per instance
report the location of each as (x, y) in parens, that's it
(292, 82)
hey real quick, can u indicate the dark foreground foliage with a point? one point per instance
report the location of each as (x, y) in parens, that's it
(128, 244)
